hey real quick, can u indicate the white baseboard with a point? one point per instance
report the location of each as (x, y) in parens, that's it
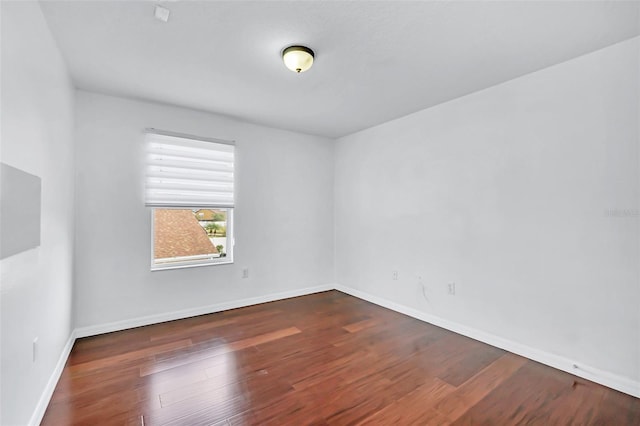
(202, 310)
(47, 393)
(605, 378)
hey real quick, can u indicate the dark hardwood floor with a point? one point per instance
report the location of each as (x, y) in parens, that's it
(327, 358)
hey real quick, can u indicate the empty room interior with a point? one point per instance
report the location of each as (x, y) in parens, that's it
(320, 212)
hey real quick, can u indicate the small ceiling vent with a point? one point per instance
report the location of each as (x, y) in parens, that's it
(162, 14)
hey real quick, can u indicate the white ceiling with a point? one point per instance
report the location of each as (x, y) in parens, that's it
(375, 61)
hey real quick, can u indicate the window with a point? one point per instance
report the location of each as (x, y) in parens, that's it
(189, 186)
(187, 237)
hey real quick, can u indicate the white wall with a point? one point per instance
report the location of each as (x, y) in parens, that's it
(37, 137)
(283, 216)
(507, 193)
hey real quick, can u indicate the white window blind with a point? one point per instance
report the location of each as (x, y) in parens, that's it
(186, 172)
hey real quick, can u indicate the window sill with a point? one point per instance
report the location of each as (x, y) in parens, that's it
(156, 268)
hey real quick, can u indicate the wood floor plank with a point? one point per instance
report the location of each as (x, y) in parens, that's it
(360, 325)
(129, 356)
(218, 350)
(476, 388)
(264, 338)
(286, 410)
(322, 359)
(416, 407)
(179, 331)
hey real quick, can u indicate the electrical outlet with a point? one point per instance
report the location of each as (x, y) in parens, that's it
(394, 275)
(34, 349)
(452, 288)
(245, 273)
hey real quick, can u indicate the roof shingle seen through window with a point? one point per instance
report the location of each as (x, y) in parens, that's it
(178, 233)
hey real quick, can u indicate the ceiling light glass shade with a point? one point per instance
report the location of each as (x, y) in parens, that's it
(298, 58)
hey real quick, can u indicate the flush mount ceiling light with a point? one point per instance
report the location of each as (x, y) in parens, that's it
(298, 58)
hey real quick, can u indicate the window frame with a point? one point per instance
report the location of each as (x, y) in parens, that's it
(228, 259)
(193, 202)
